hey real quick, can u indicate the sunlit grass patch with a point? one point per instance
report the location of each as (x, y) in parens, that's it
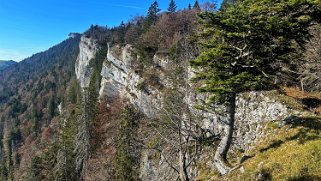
(292, 153)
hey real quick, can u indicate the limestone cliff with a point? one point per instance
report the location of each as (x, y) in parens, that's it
(120, 77)
(87, 51)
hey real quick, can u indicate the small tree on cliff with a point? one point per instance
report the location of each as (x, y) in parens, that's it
(240, 50)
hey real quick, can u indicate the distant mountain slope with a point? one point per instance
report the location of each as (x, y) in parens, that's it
(6, 63)
(30, 93)
(40, 63)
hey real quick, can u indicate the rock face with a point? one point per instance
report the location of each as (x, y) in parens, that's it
(155, 170)
(253, 110)
(120, 78)
(87, 51)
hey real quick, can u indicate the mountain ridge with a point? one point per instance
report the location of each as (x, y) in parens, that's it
(6, 63)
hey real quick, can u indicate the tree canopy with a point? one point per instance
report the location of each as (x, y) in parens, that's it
(197, 5)
(172, 6)
(243, 48)
(152, 13)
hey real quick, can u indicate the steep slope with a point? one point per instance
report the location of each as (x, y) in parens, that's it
(6, 63)
(261, 116)
(171, 138)
(118, 104)
(30, 92)
(156, 90)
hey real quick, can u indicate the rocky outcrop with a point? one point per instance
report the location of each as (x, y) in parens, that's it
(120, 79)
(87, 51)
(254, 109)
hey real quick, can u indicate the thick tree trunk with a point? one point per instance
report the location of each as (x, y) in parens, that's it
(220, 158)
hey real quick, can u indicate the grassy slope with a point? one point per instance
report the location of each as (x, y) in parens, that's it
(292, 152)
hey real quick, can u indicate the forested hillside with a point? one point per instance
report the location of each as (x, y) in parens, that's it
(29, 95)
(6, 63)
(198, 93)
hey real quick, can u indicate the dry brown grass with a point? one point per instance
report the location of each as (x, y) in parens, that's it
(296, 93)
(305, 97)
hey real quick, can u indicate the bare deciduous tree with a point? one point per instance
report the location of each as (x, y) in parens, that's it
(310, 69)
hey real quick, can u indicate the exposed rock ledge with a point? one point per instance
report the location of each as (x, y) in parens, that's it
(118, 78)
(87, 51)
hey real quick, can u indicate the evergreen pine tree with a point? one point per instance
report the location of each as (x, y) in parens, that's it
(152, 14)
(238, 55)
(172, 7)
(197, 6)
(189, 6)
(34, 121)
(226, 3)
(51, 106)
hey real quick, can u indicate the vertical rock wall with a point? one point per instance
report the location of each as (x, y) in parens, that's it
(119, 78)
(87, 51)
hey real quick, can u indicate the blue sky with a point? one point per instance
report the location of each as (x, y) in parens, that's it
(31, 26)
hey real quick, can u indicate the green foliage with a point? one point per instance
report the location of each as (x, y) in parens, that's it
(97, 64)
(17, 107)
(298, 142)
(172, 7)
(5, 95)
(51, 106)
(34, 121)
(35, 169)
(6, 63)
(36, 83)
(101, 34)
(125, 161)
(197, 6)
(151, 15)
(226, 3)
(120, 33)
(73, 92)
(189, 6)
(243, 46)
(89, 110)
(67, 146)
(59, 159)
(95, 80)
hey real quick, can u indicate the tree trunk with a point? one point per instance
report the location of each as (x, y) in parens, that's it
(220, 158)
(183, 174)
